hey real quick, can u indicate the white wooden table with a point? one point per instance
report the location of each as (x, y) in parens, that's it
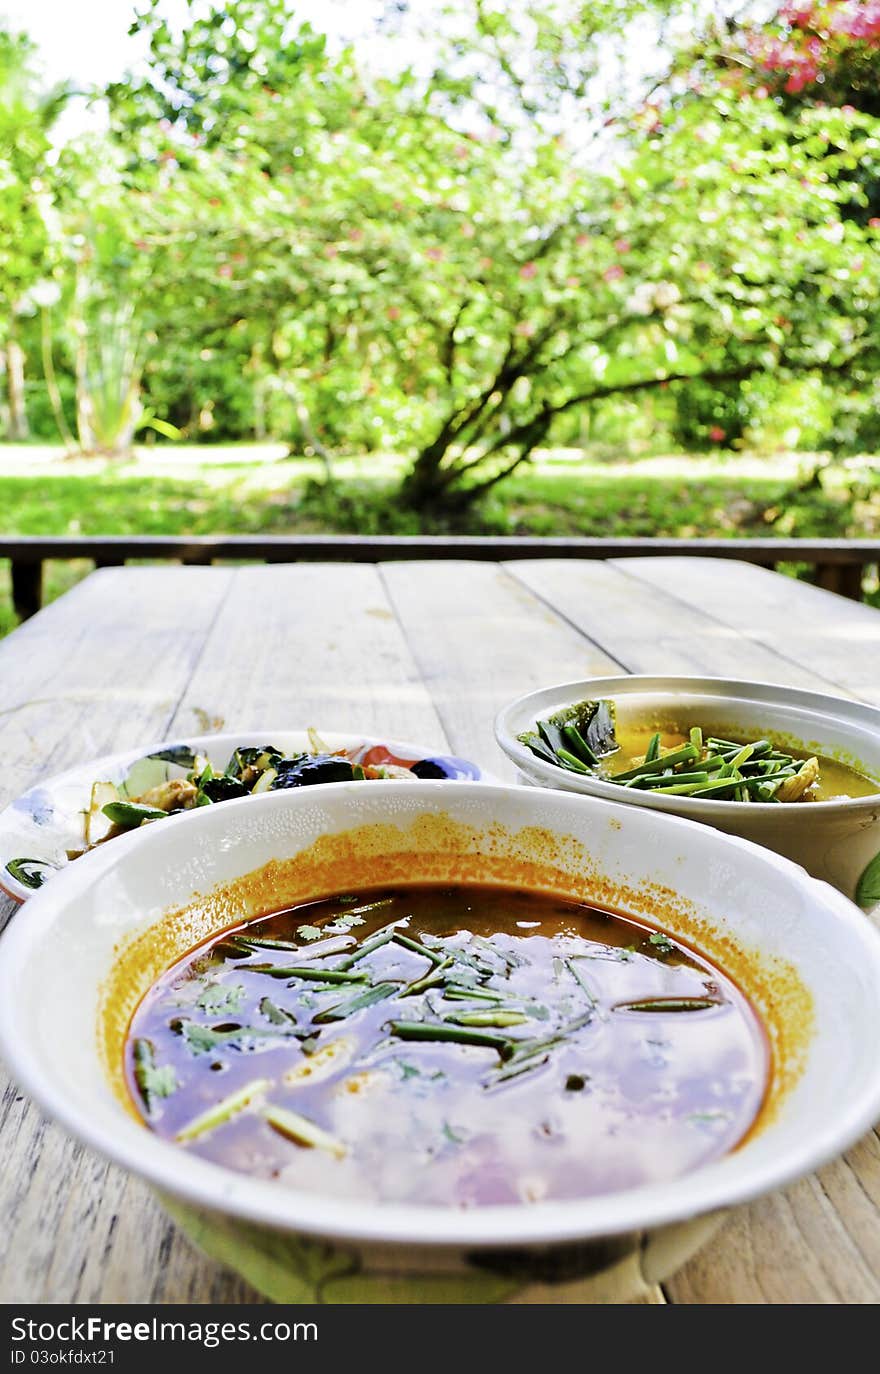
(424, 651)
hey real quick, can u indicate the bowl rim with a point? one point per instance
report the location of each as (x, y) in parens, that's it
(734, 688)
(731, 1179)
(228, 739)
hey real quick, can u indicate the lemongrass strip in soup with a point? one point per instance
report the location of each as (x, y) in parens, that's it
(466, 1046)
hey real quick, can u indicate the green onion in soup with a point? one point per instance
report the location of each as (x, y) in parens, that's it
(455, 1046)
(668, 760)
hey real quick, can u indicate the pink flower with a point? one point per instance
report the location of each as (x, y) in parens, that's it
(613, 273)
(467, 229)
(525, 329)
(435, 254)
(798, 16)
(528, 271)
(622, 245)
(806, 72)
(393, 312)
(572, 282)
(224, 270)
(874, 222)
(583, 239)
(716, 434)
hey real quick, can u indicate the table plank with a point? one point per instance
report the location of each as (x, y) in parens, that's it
(309, 645)
(813, 1243)
(480, 638)
(290, 646)
(76, 683)
(346, 615)
(832, 635)
(651, 630)
(428, 651)
(794, 1246)
(102, 668)
(99, 670)
(645, 630)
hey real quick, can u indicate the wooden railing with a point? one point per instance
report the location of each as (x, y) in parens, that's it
(839, 563)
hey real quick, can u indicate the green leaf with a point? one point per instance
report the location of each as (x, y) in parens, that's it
(868, 886)
(201, 1039)
(28, 872)
(277, 1015)
(309, 932)
(342, 924)
(181, 754)
(129, 815)
(661, 942)
(221, 997)
(168, 431)
(341, 1010)
(153, 1081)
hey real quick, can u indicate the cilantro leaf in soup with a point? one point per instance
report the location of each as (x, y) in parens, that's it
(153, 1081)
(221, 997)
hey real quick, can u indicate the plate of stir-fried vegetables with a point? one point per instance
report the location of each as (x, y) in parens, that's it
(59, 820)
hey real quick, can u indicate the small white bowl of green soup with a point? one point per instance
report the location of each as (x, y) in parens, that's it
(796, 771)
(443, 1042)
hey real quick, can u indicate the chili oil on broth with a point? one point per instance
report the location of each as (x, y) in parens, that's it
(618, 1056)
(837, 781)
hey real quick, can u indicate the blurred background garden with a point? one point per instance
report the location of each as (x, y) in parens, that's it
(506, 266)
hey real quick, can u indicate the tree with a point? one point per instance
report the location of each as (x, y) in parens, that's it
(825, 47)
(719, 252)
(464, 257)
(814, 54)
(26, 116)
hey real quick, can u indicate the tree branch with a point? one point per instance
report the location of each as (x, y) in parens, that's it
(447, 347)
(530, 436)
(543, 418)
(734, 374)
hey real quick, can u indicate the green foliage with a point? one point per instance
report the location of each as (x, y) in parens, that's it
(855, 426)
(513, 245)
(708, 414)
(26, 116)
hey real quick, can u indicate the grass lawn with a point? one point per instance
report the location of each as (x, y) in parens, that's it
(253, 489)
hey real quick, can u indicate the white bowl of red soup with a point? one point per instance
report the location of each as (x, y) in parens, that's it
(442, 1041)
(796, 771)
